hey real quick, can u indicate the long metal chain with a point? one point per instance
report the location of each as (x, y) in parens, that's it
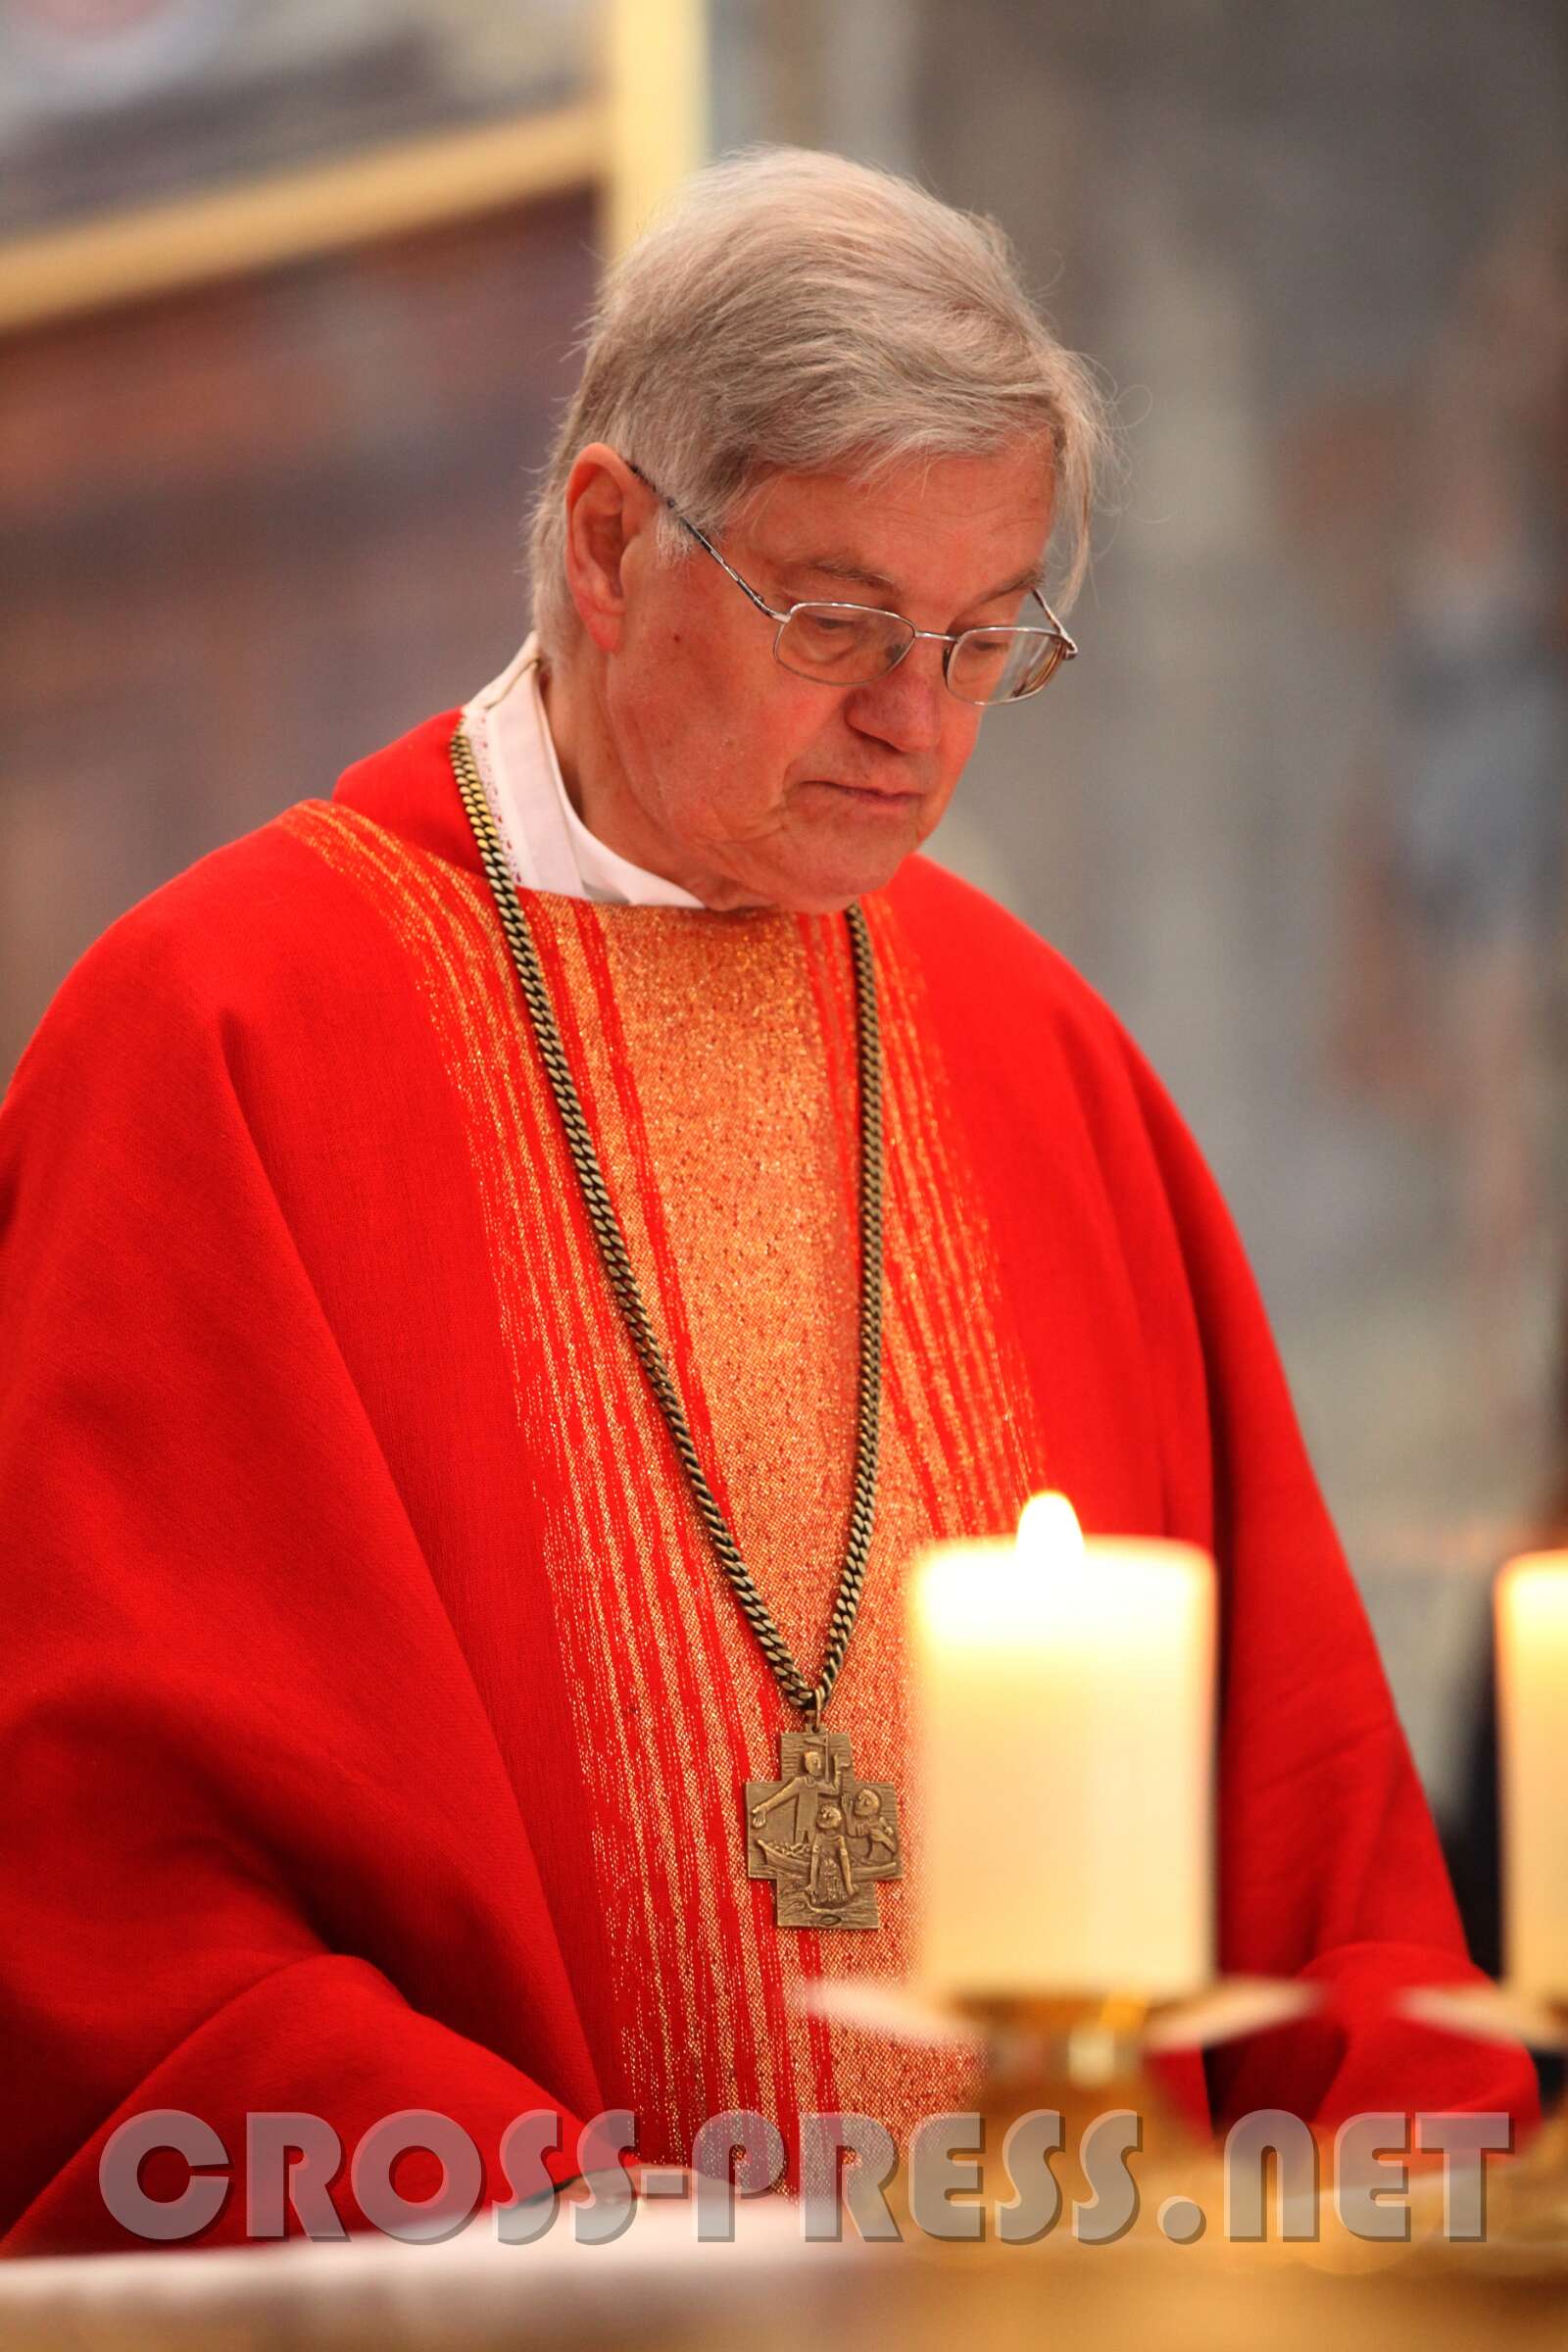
(811, 1698)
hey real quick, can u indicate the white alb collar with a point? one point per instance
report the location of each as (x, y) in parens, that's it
(547, 843)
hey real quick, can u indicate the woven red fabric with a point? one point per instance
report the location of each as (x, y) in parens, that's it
(373, 1716)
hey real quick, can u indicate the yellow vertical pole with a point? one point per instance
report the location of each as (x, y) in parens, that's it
(656, 75)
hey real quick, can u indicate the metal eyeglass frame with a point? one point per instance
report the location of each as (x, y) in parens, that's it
(951, 638)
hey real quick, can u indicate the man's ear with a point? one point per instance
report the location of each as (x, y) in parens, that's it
(606, 507)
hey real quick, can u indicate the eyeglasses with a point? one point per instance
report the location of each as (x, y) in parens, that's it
(855, 645)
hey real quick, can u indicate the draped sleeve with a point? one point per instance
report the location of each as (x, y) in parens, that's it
(1166, 1411)
(254, 1818)
(1330, 1866)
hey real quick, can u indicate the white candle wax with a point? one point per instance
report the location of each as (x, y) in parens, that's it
(1533, 1768)
(1065, 1793)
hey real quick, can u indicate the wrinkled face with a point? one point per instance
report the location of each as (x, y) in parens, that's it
(752, 786)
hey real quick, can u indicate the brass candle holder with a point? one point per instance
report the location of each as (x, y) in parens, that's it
(1527, 2208)
(1079, 2056)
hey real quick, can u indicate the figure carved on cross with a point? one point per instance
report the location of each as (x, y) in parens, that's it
(821, 1836)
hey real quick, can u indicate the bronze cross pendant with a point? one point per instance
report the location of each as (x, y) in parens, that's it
(821, 1836)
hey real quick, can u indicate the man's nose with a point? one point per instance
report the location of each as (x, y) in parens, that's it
(904, 708)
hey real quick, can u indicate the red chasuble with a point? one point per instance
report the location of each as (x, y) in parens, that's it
(373, 1717)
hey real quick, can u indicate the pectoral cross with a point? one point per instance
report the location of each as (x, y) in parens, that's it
(821, 1836)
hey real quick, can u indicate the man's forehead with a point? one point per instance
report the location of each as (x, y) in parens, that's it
(879, 535)
(842, 564)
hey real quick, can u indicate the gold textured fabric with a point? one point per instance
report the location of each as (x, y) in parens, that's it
(714, 1057)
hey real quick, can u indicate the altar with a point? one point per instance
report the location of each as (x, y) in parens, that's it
(769, 2290)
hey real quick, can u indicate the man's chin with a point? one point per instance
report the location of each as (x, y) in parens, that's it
(830, 893)
(821, 870)
(828, 877)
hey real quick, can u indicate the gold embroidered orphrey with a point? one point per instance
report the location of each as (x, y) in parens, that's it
(824, 1838)
(821, 1836)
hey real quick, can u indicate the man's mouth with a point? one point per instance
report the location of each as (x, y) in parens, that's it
(870, 795)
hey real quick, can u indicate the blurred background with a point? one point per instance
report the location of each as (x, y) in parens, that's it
(287, 296)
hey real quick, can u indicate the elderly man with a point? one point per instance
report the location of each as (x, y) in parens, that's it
(506, 1268)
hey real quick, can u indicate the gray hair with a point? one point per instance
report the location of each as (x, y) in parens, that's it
(792, 311)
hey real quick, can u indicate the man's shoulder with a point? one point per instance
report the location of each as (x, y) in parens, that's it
(228, 913)
(216, 930)
(978, 952)
(1023, 1033)
(263, 913)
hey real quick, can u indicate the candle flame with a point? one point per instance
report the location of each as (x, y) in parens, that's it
(1049, 1533)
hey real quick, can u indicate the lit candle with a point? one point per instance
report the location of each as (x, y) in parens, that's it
(1533, 1768)
(1067, 1779)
